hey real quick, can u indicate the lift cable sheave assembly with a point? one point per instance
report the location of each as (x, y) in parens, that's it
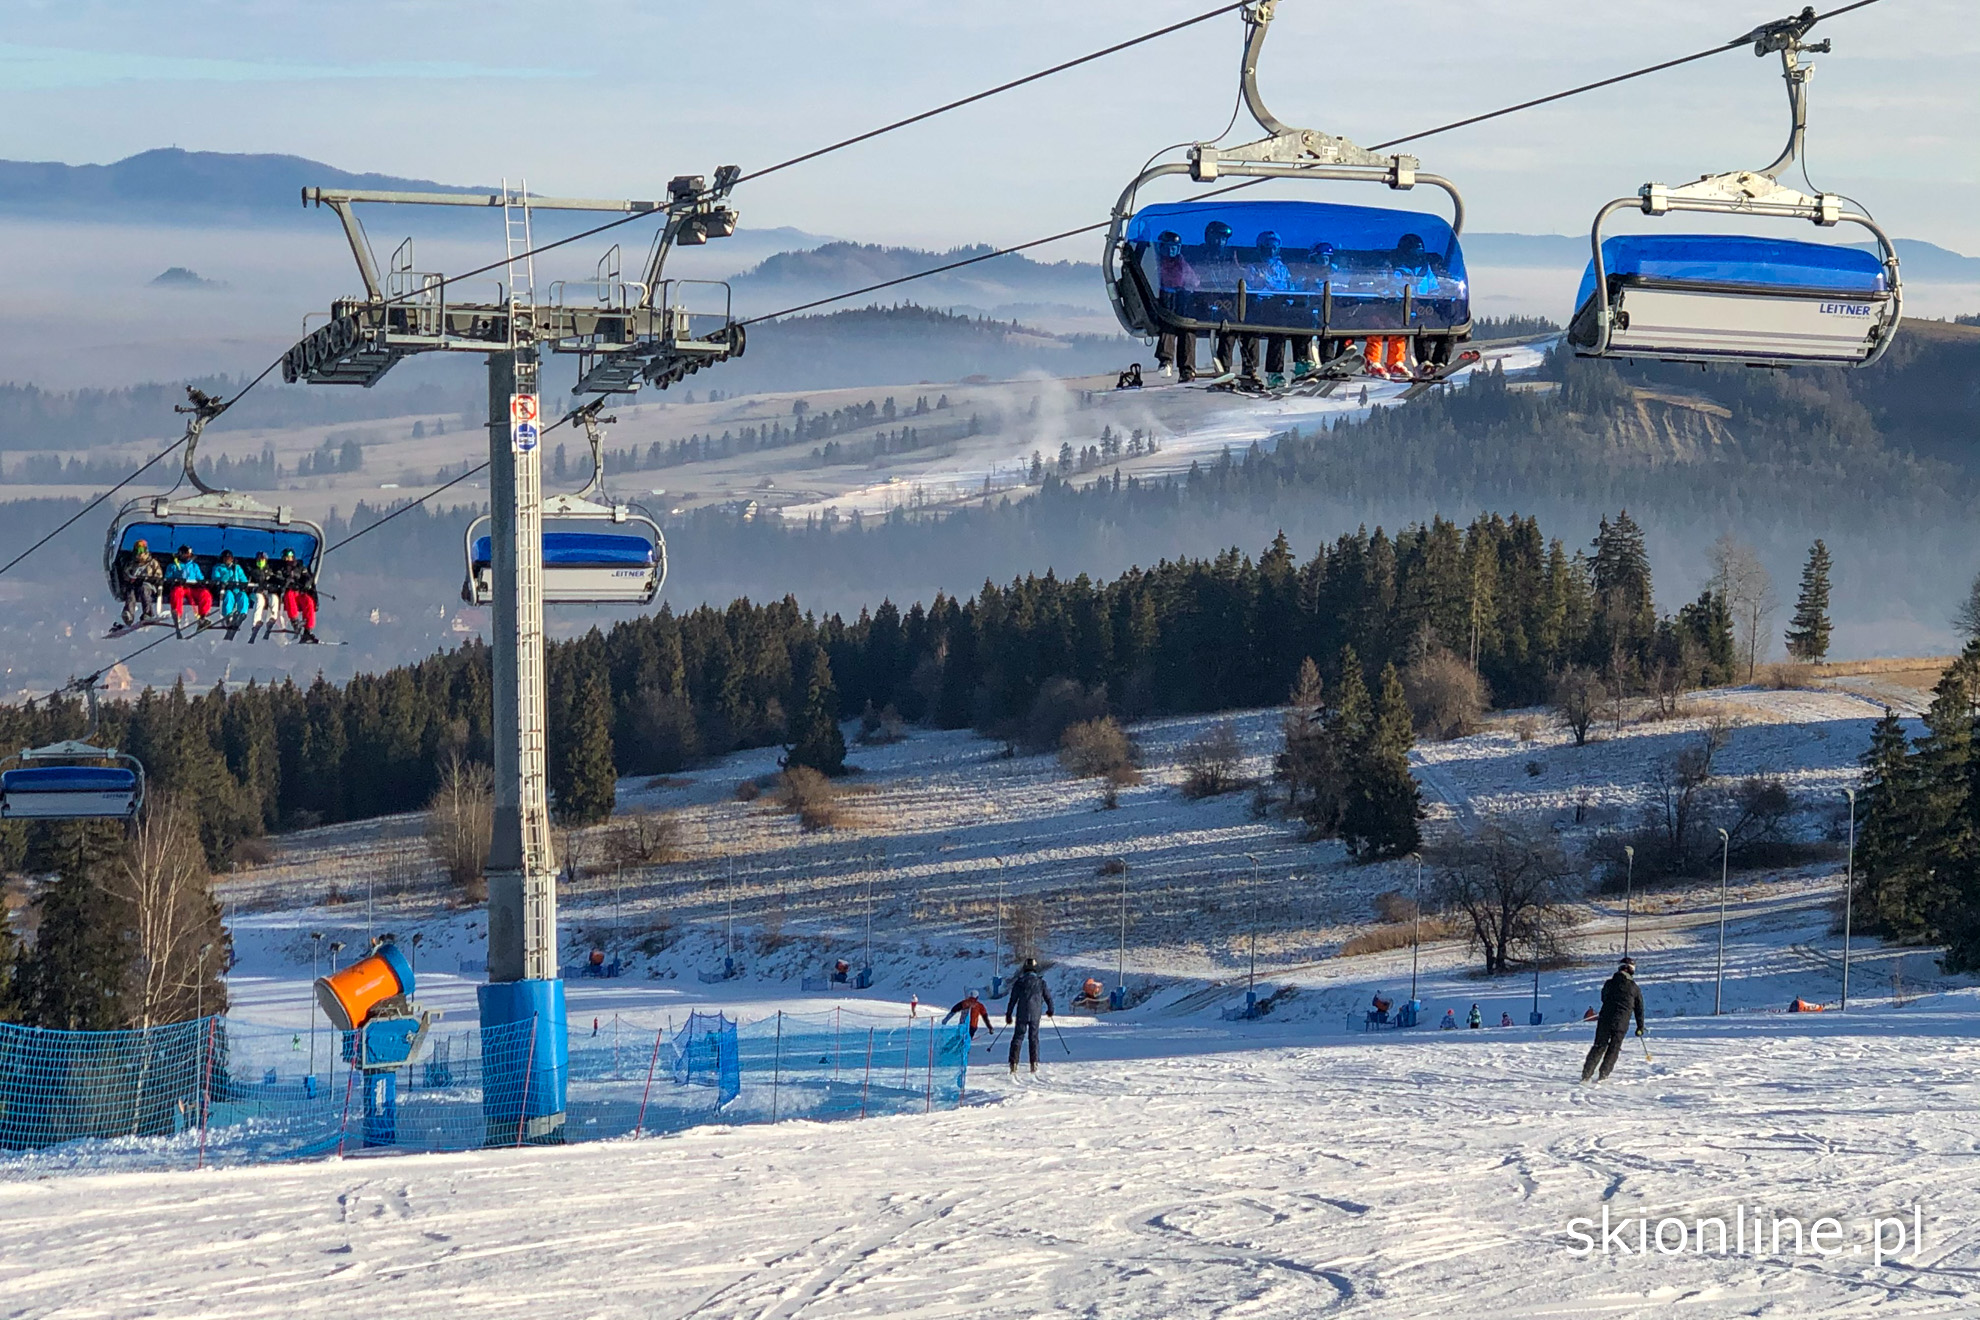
(1744, 297)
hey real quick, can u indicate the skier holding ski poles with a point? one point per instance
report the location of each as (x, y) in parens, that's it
(1621, 996)
(972, 1012)
(1029, 998)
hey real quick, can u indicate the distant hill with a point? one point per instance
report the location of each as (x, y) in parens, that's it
(1002, 283)
(170, 186)
(168, 183)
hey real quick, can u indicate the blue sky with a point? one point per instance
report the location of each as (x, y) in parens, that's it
(613, 98)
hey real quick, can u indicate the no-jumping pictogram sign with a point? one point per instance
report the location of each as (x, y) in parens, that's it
(523, 430)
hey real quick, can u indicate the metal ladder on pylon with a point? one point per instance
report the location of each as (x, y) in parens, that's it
(539, 864)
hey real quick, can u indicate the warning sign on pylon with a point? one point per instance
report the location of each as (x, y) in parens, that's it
(523, 431)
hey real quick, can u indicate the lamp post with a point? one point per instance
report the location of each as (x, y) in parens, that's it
(315, 951)
(1251, 983)
(997, 951)
(1629, 891)
(1849, 895)
(1120, 965)
(1415, 925)
(199, 984)
(1719, 978)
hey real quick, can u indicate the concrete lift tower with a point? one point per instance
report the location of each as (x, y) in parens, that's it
(626, 334)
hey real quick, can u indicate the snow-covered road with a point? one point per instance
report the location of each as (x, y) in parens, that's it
(1411, 1177)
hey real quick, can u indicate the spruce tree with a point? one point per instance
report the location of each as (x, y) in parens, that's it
(77, 976)
(1808, 630)
(815, 737)
(1383, 802)
(1886, 825)
(587, 781)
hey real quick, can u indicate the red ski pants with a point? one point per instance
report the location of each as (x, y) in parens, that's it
(201, 598)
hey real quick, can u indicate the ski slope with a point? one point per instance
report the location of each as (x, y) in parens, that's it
(1166, 1162)
(1183, 1172)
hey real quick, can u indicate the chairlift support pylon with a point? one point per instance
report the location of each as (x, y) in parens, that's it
(1742, 299)
(1355, 303)
(73, 779)
(631, 335)
(213, 520)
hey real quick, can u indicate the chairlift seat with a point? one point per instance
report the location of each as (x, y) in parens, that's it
(1735, 298)
(602, 568)
(69, 792)
(1366, 288)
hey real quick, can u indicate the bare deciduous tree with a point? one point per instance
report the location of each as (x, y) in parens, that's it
(1511, 886)
(461, 823)
(161, 882)
(1213, 762)
(1577, 700)
(1447, 697)
(1748, 590)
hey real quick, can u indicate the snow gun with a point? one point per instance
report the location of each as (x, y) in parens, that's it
(371, 1002)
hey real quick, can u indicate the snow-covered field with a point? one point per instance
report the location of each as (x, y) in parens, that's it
(1166, 1162)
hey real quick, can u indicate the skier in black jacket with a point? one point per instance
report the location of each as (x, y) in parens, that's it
(1620, 997)
(1029, 998)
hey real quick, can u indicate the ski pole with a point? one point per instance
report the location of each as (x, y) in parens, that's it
(1646, 1047)
(1060, 1034)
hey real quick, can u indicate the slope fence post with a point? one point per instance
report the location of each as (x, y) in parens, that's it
(777, 1066)
(529, 1066)
(651, 1064)
(868, 1083)
(205, 1092)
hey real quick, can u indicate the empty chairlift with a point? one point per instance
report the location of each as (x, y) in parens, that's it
(72, 780)
(594, 552)
(1742, 297)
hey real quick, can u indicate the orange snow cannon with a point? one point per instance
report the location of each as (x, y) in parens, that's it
(348, 997)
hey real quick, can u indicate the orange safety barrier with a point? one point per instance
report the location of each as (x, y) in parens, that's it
(349, 996)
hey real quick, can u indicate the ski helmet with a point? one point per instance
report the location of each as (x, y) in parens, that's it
(1030, 964)
(1627, 965)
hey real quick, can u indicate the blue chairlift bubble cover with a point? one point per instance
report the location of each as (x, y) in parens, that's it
(1737, 260)
(1367, 271)
(207, 540)
(68, 779)
(583, 550)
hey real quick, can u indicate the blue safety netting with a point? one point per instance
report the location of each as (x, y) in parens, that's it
(1320, 266)
(1738, 261)
(705, 1054)
(217, 1091)
(583, 550)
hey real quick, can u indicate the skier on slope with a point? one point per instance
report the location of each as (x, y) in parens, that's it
(972, 1012)
(1474, 1019)
(1029, 998)
(1621, 996)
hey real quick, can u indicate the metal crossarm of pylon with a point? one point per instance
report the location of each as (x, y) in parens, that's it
(655, 331)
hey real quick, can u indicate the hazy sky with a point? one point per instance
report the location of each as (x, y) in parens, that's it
(613, 98)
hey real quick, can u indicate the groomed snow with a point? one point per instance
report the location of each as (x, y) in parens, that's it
(1208, 1174)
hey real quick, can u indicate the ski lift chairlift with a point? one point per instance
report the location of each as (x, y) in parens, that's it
(73, 779)
(1356, 291)
(1742, 298)
(212, 521)
(596, 553)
